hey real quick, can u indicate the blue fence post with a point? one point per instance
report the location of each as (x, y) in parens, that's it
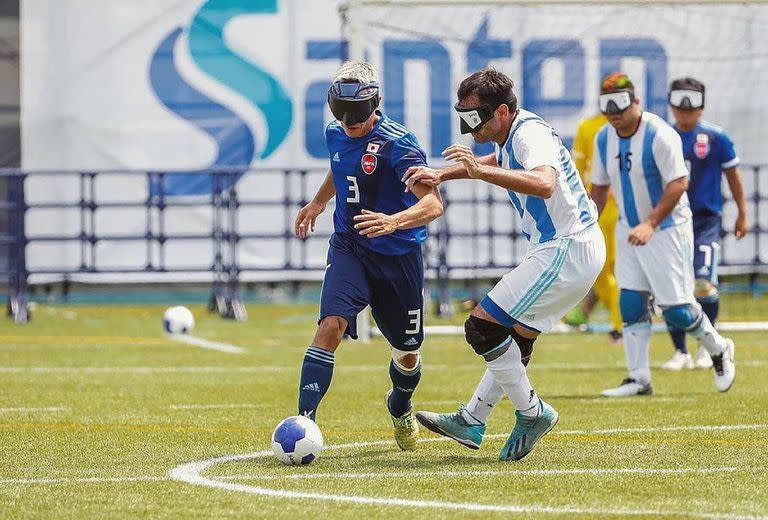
(754, 282)
(17, 286)
(235, 308)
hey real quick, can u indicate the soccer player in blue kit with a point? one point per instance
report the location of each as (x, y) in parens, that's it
(375, 253)
(708, 153)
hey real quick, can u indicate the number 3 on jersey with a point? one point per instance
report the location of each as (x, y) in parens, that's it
(354, 191)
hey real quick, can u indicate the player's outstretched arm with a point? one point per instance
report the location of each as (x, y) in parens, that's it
(737, 190)
(307, 216)
(428, 208)
(539, 181)
(434, 176)
(599, 194)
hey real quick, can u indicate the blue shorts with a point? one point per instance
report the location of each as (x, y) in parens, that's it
(391, 285)
(706, 246)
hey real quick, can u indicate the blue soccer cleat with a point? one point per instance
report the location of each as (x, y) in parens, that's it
(454, 426)
(528, 431)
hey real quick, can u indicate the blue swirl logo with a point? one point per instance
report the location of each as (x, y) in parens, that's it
(210, 53)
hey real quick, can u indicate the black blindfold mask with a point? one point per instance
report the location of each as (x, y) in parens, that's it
(353, 103)
(473, 119)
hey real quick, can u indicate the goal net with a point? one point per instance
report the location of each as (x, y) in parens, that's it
(556, 52)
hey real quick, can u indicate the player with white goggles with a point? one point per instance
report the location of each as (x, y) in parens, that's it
(615, 102)
(640, 159)
(710, 155)
(686, 99)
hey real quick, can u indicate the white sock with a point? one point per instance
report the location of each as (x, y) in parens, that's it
(509, 372)
(708, 337)
(487, 394)
(637, 338)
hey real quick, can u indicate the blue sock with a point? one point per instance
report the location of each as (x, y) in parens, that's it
(711, 308)
(678, 339)
(403, 385)
(316, 373)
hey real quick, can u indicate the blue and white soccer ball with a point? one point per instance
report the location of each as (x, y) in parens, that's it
(297, 440)
(178, 320)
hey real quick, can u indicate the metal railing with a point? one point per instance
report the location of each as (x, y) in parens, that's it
(479, 236)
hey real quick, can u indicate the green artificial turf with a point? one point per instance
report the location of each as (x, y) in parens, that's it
(98, 407)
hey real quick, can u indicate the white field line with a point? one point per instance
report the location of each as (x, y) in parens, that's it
(562, 328)
(509, 473)
(212, 406)
(192, 474)
(725, 427)
(350, 368)
(39, 409)
(188, 369)
(204, 343)
(79, 480)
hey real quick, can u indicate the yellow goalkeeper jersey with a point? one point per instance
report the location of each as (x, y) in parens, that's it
(584, 144)
(583, 147)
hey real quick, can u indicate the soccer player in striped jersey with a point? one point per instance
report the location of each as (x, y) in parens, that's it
(640, 157)
(375, 251)
(708, 153)
(566, 253)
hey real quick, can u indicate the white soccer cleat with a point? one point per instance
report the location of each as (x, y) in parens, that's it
(725, 369)
(628, 388)
(702, 359)
(679, 361)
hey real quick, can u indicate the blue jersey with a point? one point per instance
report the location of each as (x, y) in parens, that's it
(708, 151)
(366, 174)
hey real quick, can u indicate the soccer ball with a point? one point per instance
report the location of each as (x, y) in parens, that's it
(178, 320)
(297, 440)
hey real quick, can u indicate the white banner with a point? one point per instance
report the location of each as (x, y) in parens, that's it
(170, 86)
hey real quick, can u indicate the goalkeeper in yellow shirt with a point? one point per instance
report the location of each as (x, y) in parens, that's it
(605, 289)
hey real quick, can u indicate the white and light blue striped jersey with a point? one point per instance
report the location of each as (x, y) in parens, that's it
(533, 142)
(638, 169)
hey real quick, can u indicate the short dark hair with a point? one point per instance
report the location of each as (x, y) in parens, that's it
(687, 83)
(491, 86)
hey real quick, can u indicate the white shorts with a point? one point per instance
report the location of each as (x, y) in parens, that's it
(552, 278)
(662, 267)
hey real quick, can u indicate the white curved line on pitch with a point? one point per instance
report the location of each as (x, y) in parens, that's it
(191, 473)
(490, 472)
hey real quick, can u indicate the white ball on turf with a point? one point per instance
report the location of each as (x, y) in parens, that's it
(297, 440)
(178, 320)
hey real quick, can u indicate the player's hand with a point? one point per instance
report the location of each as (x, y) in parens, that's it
(305, 219)
(423, 174)
(641, 234)
(372, 225)
(464, 155)
(741, 227)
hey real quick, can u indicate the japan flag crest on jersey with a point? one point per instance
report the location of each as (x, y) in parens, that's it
(701, 146)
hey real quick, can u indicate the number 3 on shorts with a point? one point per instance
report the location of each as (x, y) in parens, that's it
(415, 320)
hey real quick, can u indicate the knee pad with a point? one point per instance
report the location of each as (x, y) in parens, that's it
(634, 306)
(684, 317)
(705, 290)
(525, 345)
(403, 358)
(486, 338)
